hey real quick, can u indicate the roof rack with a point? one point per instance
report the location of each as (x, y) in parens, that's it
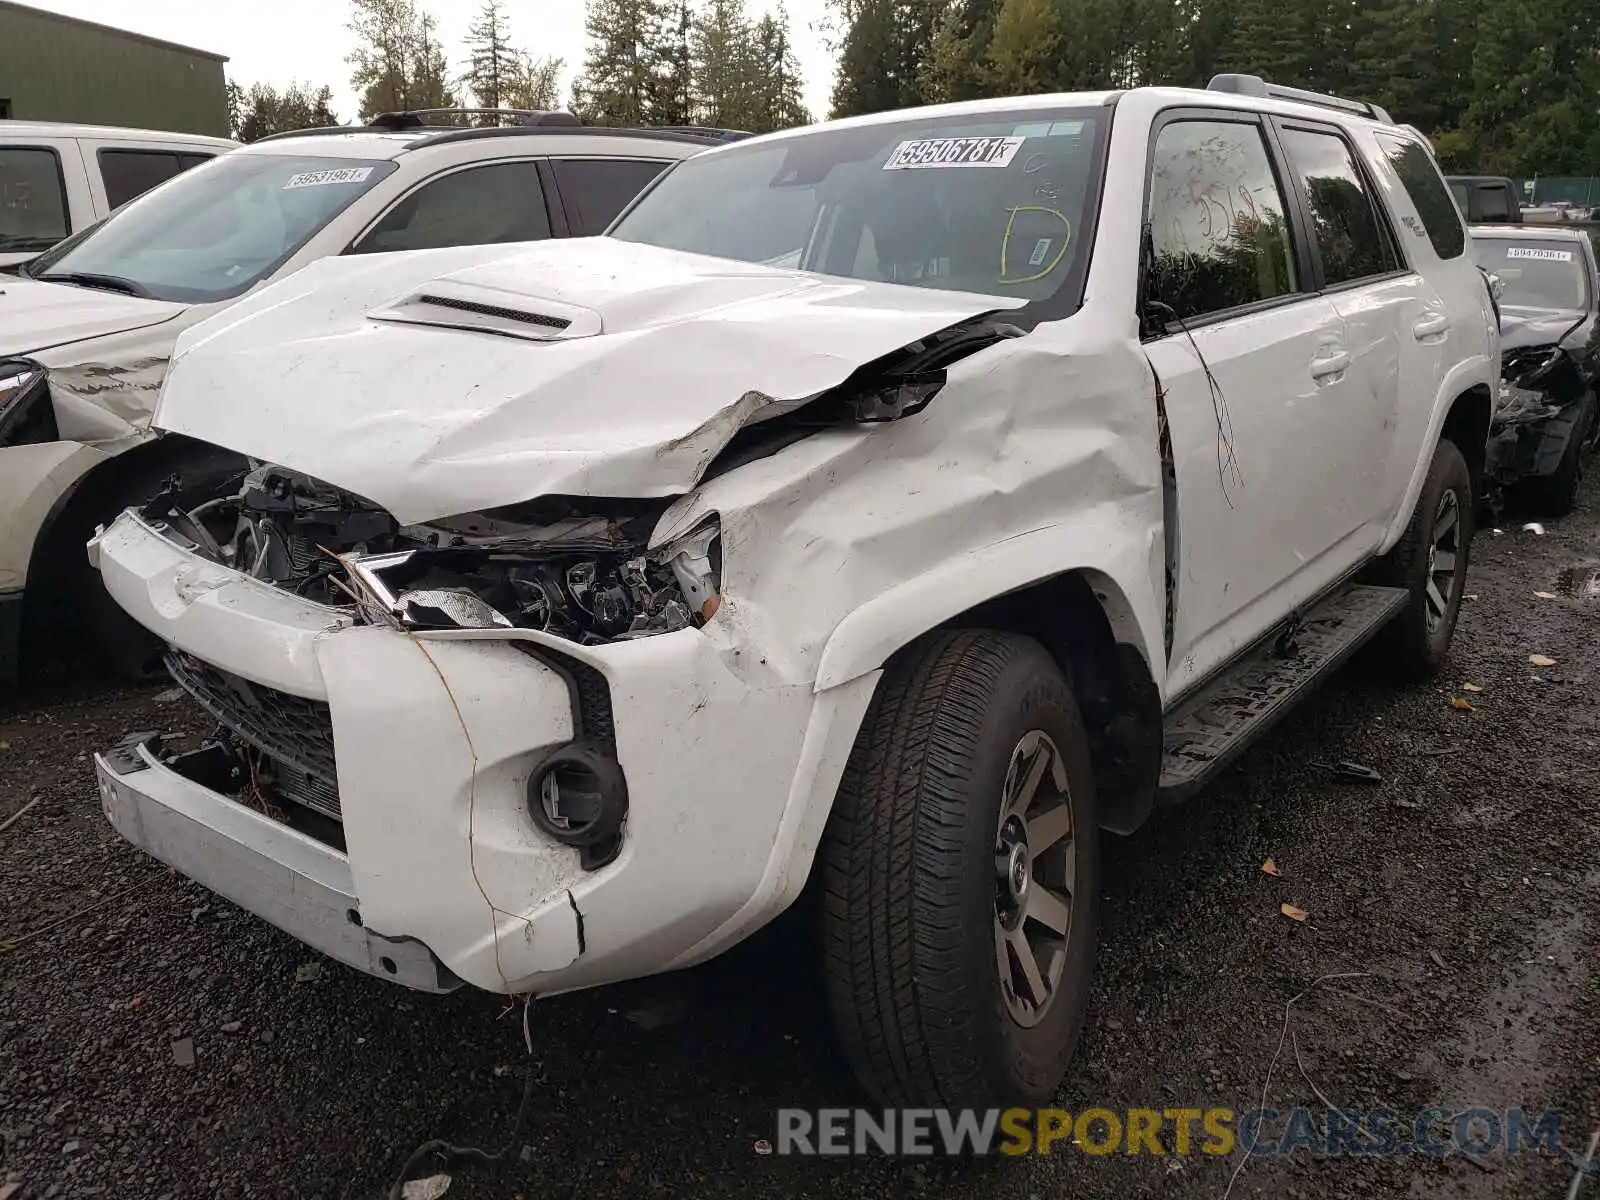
(551, 122)
(1254, 85)
(693, 135)
(412, 118)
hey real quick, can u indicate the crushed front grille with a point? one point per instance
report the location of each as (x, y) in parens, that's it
(295, 734)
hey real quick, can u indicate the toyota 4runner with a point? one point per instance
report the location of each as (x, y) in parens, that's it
(893, 504)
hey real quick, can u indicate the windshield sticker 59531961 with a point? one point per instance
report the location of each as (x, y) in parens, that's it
(1540, 254)
(324, 178)
(924, 153)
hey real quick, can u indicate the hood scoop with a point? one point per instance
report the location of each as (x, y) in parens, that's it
(479, 309)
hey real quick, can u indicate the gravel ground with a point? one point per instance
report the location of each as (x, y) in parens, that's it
(163, 1044)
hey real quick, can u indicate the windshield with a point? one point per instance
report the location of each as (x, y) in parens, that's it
(995, 203)
(215, 231)
(1537, 274)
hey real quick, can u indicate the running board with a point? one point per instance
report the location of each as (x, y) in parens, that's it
(1209, 729)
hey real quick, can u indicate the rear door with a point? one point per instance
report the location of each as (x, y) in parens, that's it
(594, 190)
(1255, 375)
(123, 171)
(1395, 322)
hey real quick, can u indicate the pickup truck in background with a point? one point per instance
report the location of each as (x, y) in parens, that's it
(56, 179)
(1486, 199)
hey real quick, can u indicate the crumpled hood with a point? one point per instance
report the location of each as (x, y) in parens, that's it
(1523, 327)
(663, 357)
(36, 316)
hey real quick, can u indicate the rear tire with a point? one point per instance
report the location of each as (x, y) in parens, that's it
(964, 832)
(1430, 562)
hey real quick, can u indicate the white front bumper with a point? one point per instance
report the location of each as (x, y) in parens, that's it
(435, 739)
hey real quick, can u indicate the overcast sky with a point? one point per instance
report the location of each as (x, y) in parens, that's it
(283, 40)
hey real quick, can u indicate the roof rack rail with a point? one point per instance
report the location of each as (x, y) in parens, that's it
(1254, 85)
(709, 132)
(412, 118)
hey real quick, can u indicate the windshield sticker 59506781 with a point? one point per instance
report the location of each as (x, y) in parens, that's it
(323, 178)
(924, 153)
(1540, 254)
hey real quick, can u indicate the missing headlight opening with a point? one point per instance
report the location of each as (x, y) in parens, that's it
(572, 567)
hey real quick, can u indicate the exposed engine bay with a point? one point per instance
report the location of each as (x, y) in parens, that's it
(572, 567)
(1542, 391)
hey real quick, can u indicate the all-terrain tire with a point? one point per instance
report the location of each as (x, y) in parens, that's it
(1416, 642)
(910, 889)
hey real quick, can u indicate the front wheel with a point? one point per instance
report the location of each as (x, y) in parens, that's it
(960, 878)
(1430, 562)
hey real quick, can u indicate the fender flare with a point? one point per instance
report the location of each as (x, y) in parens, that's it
(1122, 555)
(1471, 373)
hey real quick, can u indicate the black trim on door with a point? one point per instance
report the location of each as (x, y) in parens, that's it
(555, 205)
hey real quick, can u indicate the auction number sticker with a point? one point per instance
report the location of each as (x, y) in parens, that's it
(324, 178)
(926, 153)
(1540, 254)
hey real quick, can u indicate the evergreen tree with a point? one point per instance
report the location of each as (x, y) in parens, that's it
(398, 62)
(492, 62)
(868, 74)
(264, 110)
(778, 85)
(533, 83)
(722, 66)
(1024, 52)
(672, 90)
(618, 84)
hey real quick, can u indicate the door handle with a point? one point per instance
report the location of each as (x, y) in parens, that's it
(1327, 367)
(1431, 328)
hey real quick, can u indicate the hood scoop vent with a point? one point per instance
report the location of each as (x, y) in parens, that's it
(489, 310)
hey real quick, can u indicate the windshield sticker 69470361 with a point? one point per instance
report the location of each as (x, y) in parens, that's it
(1539, 253)
(324, 178)
(924, 153)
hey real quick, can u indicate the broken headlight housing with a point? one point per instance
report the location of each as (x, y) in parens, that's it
(574, 567)
(26, 415)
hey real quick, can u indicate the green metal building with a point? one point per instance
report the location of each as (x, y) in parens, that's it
(56, 68)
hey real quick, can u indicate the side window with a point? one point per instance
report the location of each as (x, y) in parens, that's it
(501, 202)
(595, 190)
(1353, 242)
(130, 173)
(1419, 175)
(1218, 226)
(33, 201)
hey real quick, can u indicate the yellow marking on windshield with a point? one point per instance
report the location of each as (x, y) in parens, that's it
(1005, 242)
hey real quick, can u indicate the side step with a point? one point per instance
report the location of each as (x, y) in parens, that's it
(1207, 730)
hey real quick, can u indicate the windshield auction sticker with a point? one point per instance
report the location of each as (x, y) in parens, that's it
(324, 178)
(925, 153)
(1540, 255)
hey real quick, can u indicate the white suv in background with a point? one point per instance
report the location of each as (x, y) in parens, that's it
(582, 602)
(85, 336)
(57, 178)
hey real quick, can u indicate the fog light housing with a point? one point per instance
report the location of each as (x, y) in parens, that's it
(579, 796)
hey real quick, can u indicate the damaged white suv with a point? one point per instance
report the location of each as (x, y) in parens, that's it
(893, 504)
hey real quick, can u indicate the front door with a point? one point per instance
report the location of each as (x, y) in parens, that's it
(1267, 426)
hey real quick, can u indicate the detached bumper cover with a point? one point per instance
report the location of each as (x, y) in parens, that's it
(436, 737)
(295, 882)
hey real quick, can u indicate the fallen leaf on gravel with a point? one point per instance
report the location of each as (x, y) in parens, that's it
(1470, 687)
(1472, 595)
(1293, 913)
(135, 1001)
(308, 972)
(1460, 705)
(1270, 868)
(1434, 954)
(1541, 660)
(1546, 596)
(170, 696)
(430, 1188)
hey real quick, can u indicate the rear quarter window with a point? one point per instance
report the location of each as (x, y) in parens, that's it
(1419, 175)
(33, 200)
